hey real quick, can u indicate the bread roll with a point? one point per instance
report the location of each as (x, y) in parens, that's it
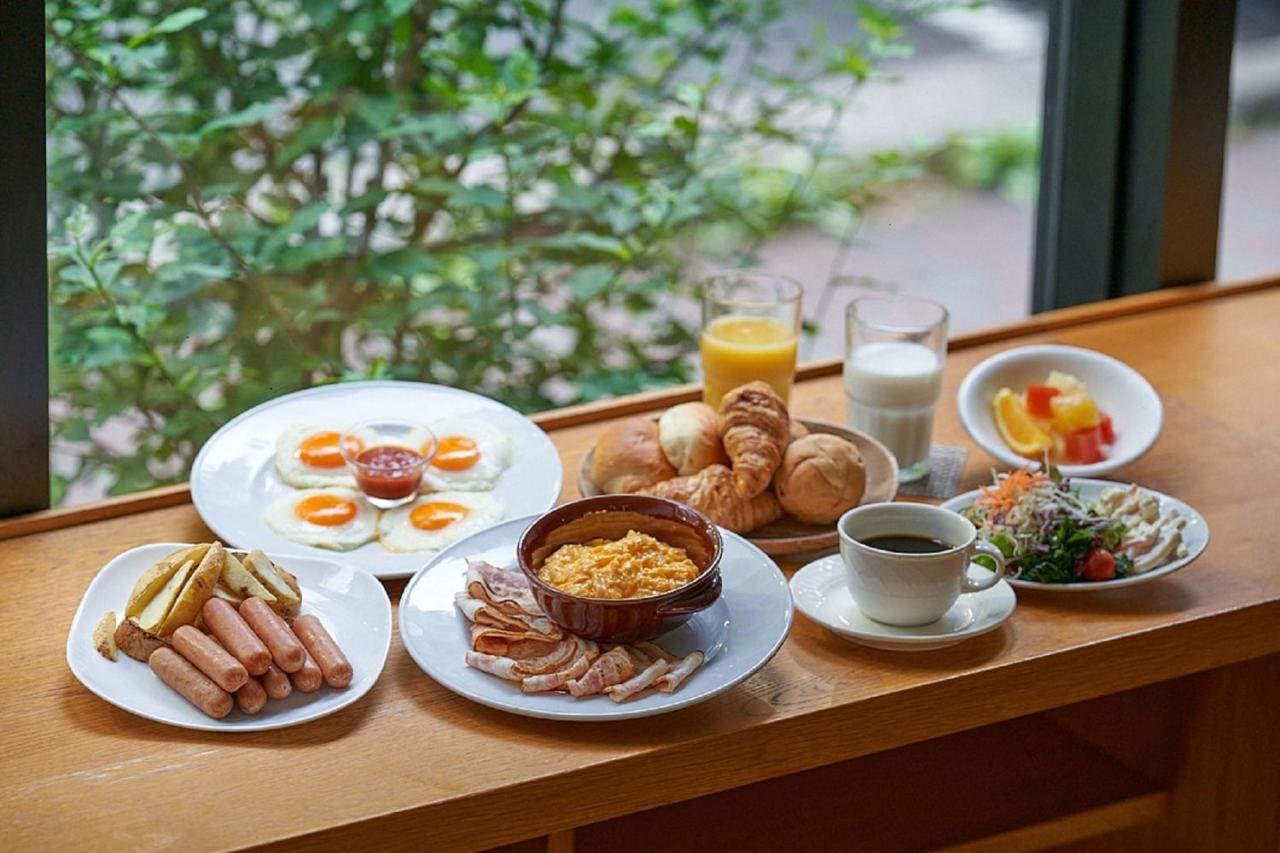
(690, 437)
(821, 477)
(628, 458)
(798, 430)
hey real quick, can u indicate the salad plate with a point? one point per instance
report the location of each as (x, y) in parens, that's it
(821, 594)
(739, 633)
(1194, 533)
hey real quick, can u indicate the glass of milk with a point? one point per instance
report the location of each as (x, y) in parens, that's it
(894, 349)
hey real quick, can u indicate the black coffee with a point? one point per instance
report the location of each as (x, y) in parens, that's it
(906, 544)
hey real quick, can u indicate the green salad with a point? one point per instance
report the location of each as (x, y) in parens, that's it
(1046, 532)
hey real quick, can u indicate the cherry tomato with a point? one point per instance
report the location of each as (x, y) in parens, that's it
(1038, 397)
(1084, 446)
(1108, 430)
(1098, 565)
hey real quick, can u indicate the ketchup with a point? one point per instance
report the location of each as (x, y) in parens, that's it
(389, 472)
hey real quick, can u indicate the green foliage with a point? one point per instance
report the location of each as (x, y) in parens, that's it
(254, 196)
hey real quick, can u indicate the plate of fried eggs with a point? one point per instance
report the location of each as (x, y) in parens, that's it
(275, 475)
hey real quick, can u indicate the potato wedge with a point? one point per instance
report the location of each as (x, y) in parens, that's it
(240, 581)
(151, 581)
(136, 642)
(196, 591)
(281, 583)
(227, 595)
(153, 615)
(104, 636)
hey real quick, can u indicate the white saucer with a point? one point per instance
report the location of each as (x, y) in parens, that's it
(820, 592)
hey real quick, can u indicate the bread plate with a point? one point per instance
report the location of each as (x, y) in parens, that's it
(787, 536)
(352, 605)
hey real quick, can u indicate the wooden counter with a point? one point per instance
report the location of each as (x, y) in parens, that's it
(1171, 684)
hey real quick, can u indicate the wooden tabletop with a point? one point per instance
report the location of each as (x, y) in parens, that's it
(444, 772)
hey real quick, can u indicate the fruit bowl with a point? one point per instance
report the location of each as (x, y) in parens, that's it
(1120, 391)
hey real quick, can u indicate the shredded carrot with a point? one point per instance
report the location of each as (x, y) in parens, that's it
(1007, 491)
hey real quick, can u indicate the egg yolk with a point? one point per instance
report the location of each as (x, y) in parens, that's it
(437, 515)
(320, 450)
(325, 510)
(456, 453)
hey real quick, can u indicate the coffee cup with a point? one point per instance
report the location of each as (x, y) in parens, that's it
(906, 564)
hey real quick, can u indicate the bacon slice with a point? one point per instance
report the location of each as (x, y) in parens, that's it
(638, 682)
(656, 652)
(674, 677)
(613, 667)
(557, 658)
(587, 653)
(483, 613)
(505, 589)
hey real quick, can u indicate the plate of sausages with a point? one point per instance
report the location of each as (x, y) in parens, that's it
(240, 667)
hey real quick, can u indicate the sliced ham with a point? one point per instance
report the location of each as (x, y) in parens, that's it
(638, 682)
(483, 613)
(510, 644)
(503, 588)
(494, 665)
(674, 677)
(611, 668)
(558, 658)
(586, 654)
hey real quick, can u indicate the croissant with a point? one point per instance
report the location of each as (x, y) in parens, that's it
(713, 492)
(755, 429)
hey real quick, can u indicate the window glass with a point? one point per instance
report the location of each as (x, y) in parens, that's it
(255, 196)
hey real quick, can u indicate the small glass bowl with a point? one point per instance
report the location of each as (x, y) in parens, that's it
(388, 479)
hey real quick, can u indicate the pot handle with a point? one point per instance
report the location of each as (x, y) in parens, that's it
(700, 600)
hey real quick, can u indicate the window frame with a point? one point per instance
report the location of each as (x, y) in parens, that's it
(1126, 205)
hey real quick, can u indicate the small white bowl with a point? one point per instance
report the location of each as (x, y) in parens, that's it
(1121, 392)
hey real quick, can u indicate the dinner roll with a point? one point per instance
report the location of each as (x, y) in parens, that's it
(690, 437)
(628, 458)
(798, 430)
(820, 478)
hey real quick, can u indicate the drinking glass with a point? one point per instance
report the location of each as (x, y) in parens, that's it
(750, 327)
(894, 350)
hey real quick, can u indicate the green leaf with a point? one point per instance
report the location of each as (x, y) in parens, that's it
(254, 114)
(173, 23)
(590, 281)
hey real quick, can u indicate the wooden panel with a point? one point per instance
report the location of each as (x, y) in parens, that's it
(1018, 785)
(412, 761)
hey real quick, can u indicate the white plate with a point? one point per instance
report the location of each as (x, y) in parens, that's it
(1195, 535)
(739, 633)
(1121, 392)
(821, 593)
(234, 476)
(351, 604)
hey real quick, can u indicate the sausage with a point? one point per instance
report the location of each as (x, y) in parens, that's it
(210, 658)
(308, 678)
(180, 674)
(286, 651)
(252, 696)
(236, 636)
(276, 682)
(323, 650)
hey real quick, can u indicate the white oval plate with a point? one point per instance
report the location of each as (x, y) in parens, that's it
(1195, 535)
(352, 605)
(1121, 392)
(822, 594)
(234, 476)
(739, 633)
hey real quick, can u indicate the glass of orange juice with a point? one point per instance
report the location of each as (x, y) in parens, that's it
(750, 327)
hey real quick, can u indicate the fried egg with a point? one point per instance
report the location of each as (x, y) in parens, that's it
(470, 455)
(309, 457)
(436, 520)
(334, 518)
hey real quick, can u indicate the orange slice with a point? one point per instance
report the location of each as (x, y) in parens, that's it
(1018, 429)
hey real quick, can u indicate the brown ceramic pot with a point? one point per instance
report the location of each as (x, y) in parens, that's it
(626, 620)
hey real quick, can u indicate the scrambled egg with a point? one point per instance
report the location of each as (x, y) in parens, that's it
(635, 566)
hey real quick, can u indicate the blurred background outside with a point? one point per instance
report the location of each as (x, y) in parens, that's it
(519, 198)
